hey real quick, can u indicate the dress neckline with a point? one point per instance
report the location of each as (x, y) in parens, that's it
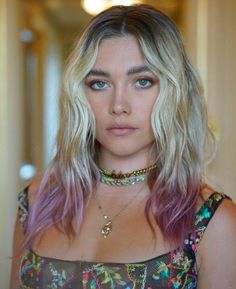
(53, 259)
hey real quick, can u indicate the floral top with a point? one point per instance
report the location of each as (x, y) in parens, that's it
(176, 269)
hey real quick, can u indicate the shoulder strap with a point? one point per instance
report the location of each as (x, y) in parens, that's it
(23, 208)
(203, 217)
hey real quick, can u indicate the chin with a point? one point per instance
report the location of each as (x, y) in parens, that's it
(123, 154)
(124, 151)
(119, 150)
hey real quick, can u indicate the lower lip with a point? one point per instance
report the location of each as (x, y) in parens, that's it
(121, 131)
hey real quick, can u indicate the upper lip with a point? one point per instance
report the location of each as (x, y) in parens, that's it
(120, 126)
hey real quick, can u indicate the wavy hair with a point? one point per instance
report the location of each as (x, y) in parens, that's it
(179, 123)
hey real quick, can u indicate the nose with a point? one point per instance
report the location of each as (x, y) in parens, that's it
(120, 103)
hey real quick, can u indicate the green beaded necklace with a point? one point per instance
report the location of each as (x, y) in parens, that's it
(124, 179)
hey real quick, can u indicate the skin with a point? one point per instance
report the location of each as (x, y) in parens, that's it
(119, 98)
(122, 91)
(217, 250)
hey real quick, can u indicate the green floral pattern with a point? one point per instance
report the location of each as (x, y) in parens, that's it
(176, 269)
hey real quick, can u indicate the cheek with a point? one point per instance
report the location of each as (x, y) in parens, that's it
(145, 119)
(99, 121)
(97, 109)
(145, 112)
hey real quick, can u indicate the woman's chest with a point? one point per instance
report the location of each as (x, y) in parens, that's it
(118, 261)
(130, 240)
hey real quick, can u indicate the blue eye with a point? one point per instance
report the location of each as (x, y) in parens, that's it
(143, 83)
(98, 85)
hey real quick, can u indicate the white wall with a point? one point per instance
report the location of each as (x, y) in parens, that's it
(222, 89)
(11, 143)
(211, 44)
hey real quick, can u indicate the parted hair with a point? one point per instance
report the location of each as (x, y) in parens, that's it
(178, 120)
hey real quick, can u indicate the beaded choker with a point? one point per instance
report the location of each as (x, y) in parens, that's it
(124, 179)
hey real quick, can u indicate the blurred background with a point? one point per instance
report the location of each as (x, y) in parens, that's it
(36, 37)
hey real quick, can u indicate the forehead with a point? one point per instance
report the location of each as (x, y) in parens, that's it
(123, 50)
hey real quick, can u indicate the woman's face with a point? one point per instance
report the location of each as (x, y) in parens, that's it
(122, 91)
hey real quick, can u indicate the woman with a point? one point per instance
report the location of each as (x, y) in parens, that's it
(123, 204)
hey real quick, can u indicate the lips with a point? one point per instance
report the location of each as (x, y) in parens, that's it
(120, 130)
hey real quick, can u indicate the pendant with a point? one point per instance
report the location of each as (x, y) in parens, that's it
(106, 229)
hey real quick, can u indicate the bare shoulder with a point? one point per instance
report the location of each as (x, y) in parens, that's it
(223, 222)
(206, 192)
(226, 211)
(33, 189)
(19, 237)
(216, 253)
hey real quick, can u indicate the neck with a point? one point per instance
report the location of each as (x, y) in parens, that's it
(125, 164)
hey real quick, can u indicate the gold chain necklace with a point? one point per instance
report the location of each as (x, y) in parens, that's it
(124, 179)
(108, 222)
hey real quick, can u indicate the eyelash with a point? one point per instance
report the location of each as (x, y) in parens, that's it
(148, 80)
(95, 82)
(92, 83)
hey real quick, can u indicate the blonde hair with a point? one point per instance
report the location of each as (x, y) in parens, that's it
(178, 120)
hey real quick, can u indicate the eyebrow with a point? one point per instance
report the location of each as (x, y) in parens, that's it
(98, 72)
(138, 69)
(131, 71)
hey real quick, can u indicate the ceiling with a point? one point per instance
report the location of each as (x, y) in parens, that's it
(68, 14)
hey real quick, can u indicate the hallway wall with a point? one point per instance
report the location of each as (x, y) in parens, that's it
(11, 126)
(222, 89)
(210, 30)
